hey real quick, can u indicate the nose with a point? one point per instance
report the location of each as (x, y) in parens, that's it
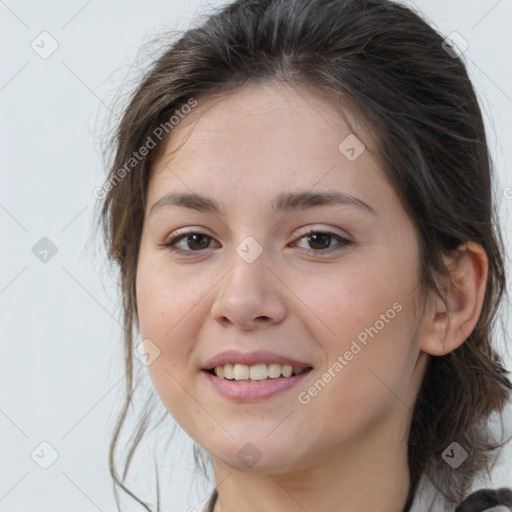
(250, 295)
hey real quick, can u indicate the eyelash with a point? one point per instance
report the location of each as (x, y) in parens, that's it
(343, 242)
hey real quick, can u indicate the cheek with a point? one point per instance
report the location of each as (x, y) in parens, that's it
(345, 304)
(366, 317)
(367, 371)
(167, 300)
(167, 317)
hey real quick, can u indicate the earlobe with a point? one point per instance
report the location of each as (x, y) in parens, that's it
(450, 320)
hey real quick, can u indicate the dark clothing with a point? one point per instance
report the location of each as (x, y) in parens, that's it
(485, 499)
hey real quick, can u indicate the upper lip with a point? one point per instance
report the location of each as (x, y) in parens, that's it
(252, 358)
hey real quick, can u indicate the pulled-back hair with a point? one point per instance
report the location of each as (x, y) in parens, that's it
(394, 71)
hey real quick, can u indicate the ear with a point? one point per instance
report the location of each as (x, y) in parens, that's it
(448, 323)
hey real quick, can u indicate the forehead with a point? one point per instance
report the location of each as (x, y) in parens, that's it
(272, 108)
(266, 134)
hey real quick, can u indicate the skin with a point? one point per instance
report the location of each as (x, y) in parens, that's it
(347, 446)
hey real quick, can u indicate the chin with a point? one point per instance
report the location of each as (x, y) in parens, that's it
(258, 454)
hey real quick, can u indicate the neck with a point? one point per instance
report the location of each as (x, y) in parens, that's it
(367, 475)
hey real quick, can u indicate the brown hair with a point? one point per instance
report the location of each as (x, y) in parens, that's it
(395, 72)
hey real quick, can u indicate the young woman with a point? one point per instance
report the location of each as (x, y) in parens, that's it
(300, 204)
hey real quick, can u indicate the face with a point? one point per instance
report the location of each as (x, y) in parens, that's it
(327, 287)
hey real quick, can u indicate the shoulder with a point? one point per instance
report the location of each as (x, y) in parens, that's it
(487, 500)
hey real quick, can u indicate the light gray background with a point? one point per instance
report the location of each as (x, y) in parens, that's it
(62, 361)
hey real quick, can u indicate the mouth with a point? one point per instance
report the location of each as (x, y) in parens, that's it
(243, 383)
(250, 376)
(256, 373)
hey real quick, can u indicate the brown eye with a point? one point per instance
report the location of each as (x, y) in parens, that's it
(193, 242)
(320, 241)
(197, 240)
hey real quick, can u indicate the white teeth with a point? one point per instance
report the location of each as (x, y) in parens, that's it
(240, 372)
(256, 372)
(228, 371)
(287, 370)
(274, 370)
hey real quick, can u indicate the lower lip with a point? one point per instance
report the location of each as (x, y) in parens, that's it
(246, 391)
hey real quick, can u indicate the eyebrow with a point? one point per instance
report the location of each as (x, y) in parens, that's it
(284, 202)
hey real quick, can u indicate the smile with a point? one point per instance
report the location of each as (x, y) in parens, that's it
(248, 390)
(248, 376)
(255, 372)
